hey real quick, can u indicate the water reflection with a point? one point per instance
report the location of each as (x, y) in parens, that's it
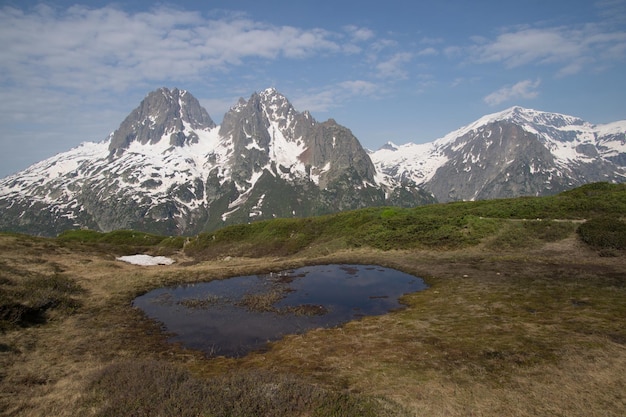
(234, 316)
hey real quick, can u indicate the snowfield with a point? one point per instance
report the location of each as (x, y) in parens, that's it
(146, 260)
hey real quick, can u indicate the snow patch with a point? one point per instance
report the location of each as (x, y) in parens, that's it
(146, 260)
(417, 162)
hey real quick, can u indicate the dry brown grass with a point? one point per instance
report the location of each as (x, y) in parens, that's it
(498, 333)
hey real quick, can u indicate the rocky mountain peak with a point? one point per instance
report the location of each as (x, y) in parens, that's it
(163, 114)
(277, 107)
(389, 146)
(533, 120)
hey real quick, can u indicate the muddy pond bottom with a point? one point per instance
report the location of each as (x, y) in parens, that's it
(232, 317)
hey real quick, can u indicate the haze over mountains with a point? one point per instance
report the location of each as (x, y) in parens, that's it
(169, 169)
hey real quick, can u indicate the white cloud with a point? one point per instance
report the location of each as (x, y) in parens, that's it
(394, 66)
(428, 51)
(526, 89)
(100, 49)
(383, 44)
(359, 34)
(453, 51)
(335, 95)
(529, 45)
(570, 49)
(613, 11)
(359, 87)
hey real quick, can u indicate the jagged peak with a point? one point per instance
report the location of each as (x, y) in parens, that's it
(271, 93)
(390, 146)
(272, 97)
(163, 113)
(171, 94)
(276, 106)
(241, 103)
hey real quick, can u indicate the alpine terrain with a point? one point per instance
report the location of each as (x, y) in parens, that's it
(169, 169)
(517, 152)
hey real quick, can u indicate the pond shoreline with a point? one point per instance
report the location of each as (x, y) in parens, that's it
(234, 316)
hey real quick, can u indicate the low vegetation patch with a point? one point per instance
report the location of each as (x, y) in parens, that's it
(153, 388)
(438, 226)
(607, 232)
(526, 234)
(265, 302)
(29, 299)
(122, 241)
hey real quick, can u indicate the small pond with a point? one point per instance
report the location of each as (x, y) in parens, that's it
(234, 316)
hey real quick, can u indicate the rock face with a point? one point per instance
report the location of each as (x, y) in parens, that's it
(169, 169)
(517, 152)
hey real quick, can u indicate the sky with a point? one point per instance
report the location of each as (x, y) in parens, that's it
(393, 70)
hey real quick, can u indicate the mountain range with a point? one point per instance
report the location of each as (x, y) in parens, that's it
(169, 169)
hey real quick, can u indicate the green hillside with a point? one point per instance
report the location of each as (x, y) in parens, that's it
(506, 223)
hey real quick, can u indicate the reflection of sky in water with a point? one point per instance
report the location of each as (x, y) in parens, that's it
(217, 326)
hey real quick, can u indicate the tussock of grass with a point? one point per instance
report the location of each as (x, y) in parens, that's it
(265, 302)
(28, 299)
(151, 388)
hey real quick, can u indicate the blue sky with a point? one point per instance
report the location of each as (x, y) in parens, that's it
(401, 71)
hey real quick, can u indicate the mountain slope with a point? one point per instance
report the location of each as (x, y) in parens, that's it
(511, 153)
(169, 169)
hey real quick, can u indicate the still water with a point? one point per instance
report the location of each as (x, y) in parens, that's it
(234, 316)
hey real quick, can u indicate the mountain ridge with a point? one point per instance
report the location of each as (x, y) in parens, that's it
(170, 169)
(567, 149)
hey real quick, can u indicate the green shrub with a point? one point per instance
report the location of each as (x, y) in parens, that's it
(437, 226)
(530, 233)
(116, 237)
(606, 232)
(132, 238)
(122, 241)
(79, 235)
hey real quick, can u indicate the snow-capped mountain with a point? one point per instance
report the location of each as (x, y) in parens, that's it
(512, 153)
(169, 169)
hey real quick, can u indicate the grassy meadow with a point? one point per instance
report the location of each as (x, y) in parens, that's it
(525, 315)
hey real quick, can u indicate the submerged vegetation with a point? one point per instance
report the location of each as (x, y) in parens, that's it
(523, 316)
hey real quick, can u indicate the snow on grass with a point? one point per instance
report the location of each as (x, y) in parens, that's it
(146, 260)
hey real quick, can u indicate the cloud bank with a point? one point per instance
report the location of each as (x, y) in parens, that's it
(107, 48)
